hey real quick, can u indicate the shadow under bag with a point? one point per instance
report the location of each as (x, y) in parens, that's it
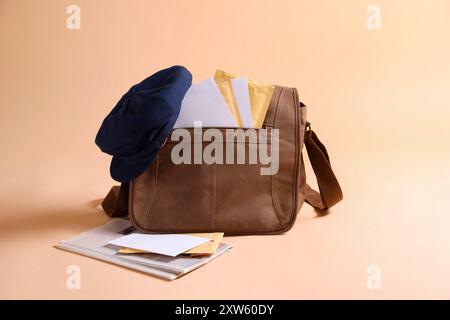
(232, 198)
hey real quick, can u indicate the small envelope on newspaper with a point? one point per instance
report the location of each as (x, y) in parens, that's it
(166, 244)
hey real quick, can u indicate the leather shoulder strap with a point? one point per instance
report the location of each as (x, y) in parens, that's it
(330, 192)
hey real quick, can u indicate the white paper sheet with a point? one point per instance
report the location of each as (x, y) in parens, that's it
(240, 87)
(166, 244)
(204, 102)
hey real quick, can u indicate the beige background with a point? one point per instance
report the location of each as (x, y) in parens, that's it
(379, 99)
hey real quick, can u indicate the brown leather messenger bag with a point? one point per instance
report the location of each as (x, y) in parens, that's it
(232, 198)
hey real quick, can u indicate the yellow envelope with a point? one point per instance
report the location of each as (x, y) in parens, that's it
(227, 91)
(209, 247)
(260, 95)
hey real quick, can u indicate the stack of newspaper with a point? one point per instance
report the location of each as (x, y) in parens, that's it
(97, 243)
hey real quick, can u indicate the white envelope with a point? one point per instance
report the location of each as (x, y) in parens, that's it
(240, 87)
(204, 102)
(166, 244)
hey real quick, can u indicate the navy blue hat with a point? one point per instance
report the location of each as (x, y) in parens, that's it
(141, 121)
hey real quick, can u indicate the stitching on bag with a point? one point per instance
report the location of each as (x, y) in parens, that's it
(296, 168)
(213, 195)
(201, 230)
(271, 177)
(149, 205)
(225, 138)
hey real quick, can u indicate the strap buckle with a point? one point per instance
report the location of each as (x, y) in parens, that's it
(308, 126)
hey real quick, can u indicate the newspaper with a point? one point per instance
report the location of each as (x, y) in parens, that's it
(94, 243)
